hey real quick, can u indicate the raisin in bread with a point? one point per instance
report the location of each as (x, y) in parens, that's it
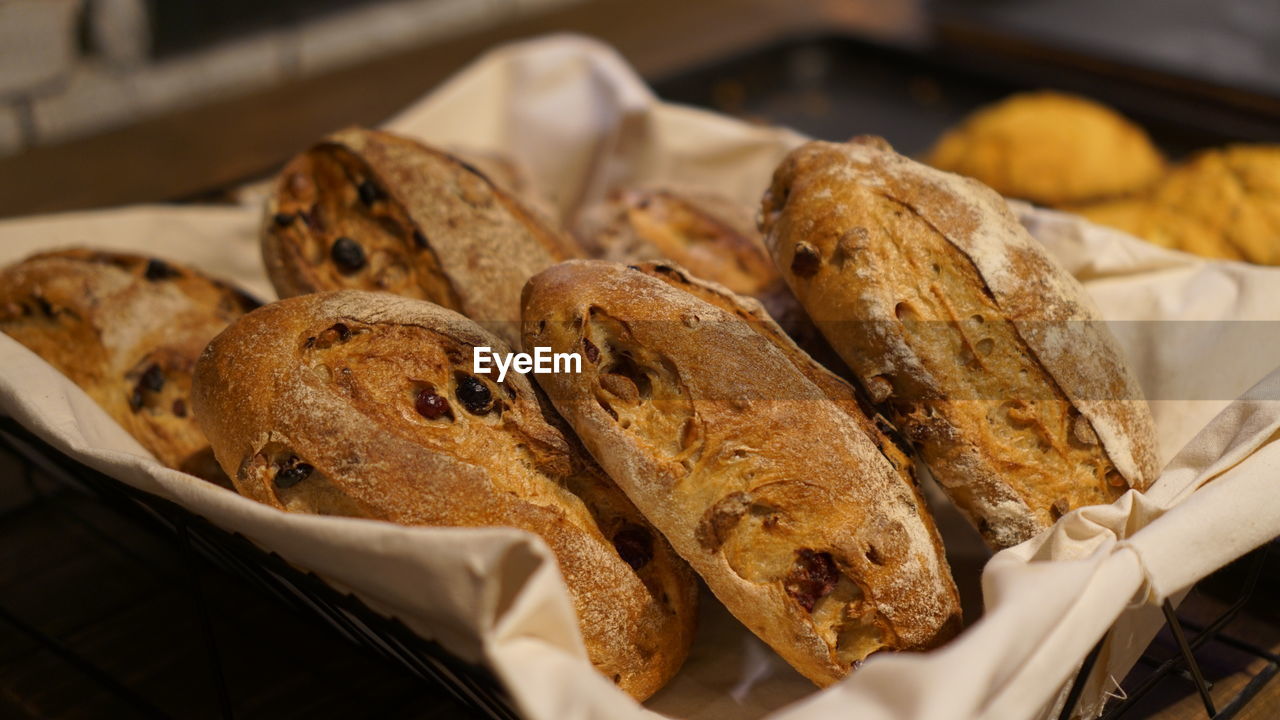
(127, 329)
(365, 405)
(799, 523)
(369, 210)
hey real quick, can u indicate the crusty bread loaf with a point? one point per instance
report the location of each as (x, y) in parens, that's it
(707, 234)
(508, 174)
(364, 404)
(369, 210)
(990, 357)
(127, 329)
(783, 504)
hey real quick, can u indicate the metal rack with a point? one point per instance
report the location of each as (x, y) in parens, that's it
(473, 685)
(304, 592)
(1184, 666)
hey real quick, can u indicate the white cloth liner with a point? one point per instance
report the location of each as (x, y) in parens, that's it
(580, 119)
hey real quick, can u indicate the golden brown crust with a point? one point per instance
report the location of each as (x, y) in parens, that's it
(712, 237)
(847, 397)
(989, 356)
(370, 210)
(783, 503)
(1220, 204)
(1051, 148)
(364, 404)
(127, 329)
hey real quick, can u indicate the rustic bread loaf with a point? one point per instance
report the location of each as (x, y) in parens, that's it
(127, 329)
(989, 356)
(369, 210)
(783, 504)
(364, 404)
(508, 174)
(711, 236)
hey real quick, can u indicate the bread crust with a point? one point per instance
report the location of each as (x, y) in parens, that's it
(846, 396)
(989, 356)
(372, 396)
(784, 505)
(127, 329)
(710, 237)
(370, 210)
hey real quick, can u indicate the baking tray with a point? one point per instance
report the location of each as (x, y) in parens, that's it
(835, 87)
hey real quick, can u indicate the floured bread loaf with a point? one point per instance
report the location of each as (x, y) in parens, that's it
(989, 356)
(365, 405)
(127, 329)
(784, 504)
(370, 210)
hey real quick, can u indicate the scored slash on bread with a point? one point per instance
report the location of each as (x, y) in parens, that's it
(800, 524)
(365, 405)
(127, 329)
(836, 388)
(989, 356)
(370, 210)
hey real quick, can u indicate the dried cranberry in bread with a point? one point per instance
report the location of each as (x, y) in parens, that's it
(802, 527)
(370, 210)
(988, 355)
(365, 405)
(127, 329)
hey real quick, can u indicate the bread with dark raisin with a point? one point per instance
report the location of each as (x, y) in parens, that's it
(365, 405)
(989, 356)
(127, 329)
(370, 210)
(798, 521)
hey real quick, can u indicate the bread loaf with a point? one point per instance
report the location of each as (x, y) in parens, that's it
(508, 174)
(127, 329)
(369, 210)
(711, 236)
(989, 356)
(1051, 148)
(365, 405)
(800, 525)
(1221, 203)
